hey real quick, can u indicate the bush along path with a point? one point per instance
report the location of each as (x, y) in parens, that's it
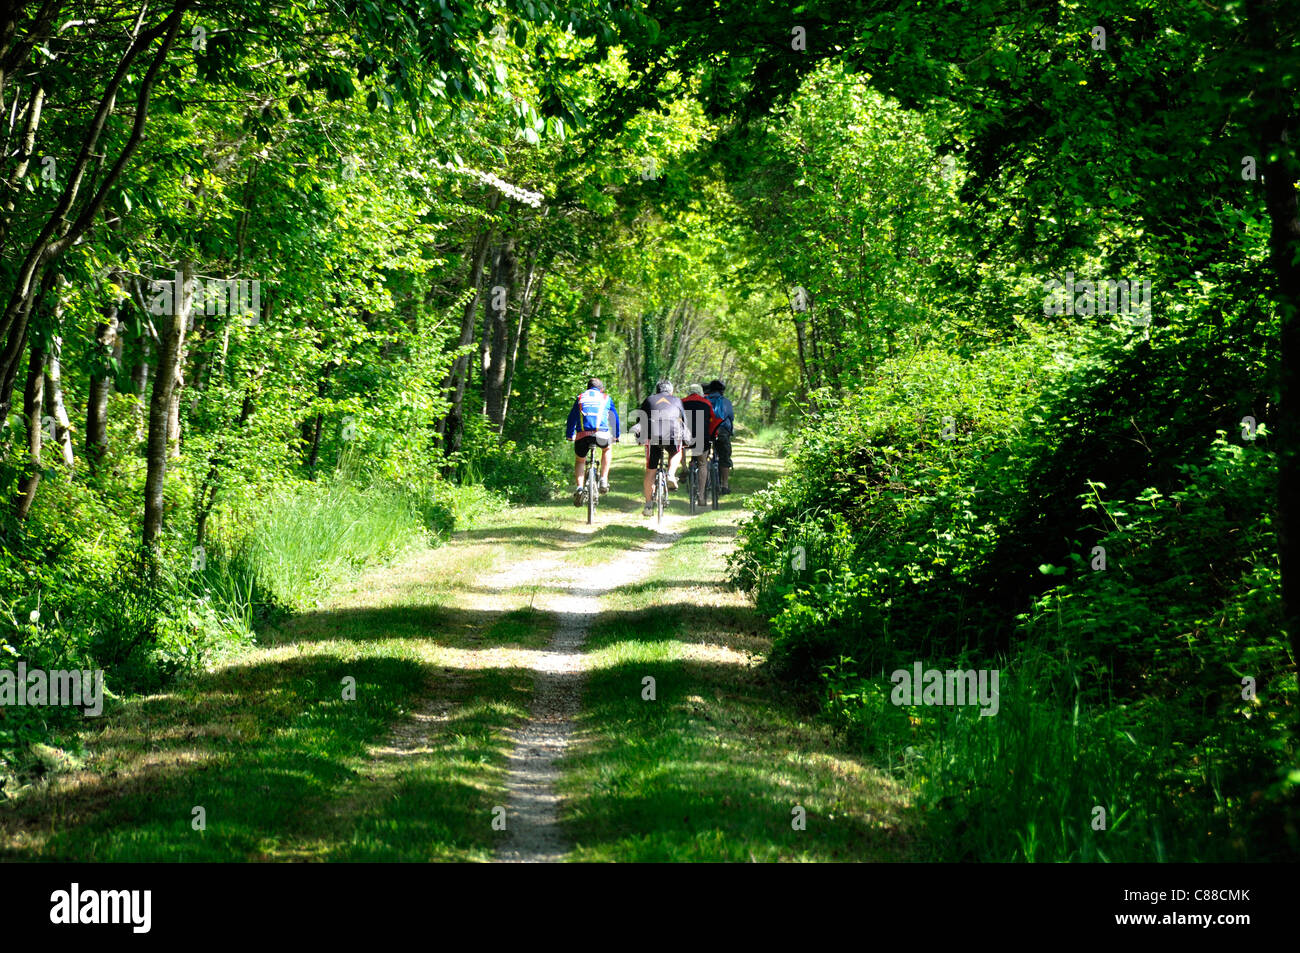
(537, 689)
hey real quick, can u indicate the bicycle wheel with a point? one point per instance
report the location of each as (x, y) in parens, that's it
(692, 485)
(714, 481)
(661, 495)
(593, 491)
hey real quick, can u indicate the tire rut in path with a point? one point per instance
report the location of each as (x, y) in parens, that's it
(533, 832)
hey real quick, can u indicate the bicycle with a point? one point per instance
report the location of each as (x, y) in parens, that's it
(709, 462)
(661, 485)
(591, 483)
(715, 478)
(693, 483)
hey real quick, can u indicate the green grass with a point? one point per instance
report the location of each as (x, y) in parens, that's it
(713, 768)
(284, 766)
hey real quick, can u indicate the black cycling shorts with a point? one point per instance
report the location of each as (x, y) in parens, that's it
(722, 449)
(653, 451)
(583, 444)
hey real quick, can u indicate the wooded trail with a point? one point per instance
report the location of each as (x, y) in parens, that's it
(536, 689)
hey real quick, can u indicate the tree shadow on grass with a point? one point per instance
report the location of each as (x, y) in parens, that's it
(712, 770)
(447, 626)
(280, 763)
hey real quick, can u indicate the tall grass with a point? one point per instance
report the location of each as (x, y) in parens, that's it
(1053, 776)
(774, 439)
(305, 537)
(1048, 778)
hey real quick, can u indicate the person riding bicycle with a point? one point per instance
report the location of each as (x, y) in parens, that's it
(666, 428)
(722, 438)
(589, 423)
(704, 424)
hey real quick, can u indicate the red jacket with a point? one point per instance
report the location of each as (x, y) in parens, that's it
(696, 404)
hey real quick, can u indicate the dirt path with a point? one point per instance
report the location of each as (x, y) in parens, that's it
(532, 810)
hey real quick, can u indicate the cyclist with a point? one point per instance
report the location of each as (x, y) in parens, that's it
(722, 438)
(704, 424)
(666, 428)
(589, 422)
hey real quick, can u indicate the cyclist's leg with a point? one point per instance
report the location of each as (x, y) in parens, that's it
(651, 465)
(724, 463)
(673, 464)
(579, 461)
(580, 448)
(706, 467)
(606, 457)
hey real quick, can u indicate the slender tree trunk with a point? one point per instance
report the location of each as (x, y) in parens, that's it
(312, 432)
(207, 498)
(33, 401)
(453, 423)
(171, 333)
(10, 356)
(526, 307)
(498, 305)
(178, 386)
(54, 395)
(107, 345)
(801, 339)
(140, 382)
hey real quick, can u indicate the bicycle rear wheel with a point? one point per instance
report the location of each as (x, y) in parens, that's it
(714, 481)
(661, 495)
(593, 491)
(692, 484)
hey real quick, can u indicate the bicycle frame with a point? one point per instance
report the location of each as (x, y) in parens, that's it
(661, 485)
(592, 482)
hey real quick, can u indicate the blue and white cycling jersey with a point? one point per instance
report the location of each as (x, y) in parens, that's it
(593, 412)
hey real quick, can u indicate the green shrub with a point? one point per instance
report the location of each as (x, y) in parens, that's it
(1123, 688)
(523, 474)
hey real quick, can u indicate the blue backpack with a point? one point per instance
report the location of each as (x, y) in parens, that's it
(593, 408)
(722, 407)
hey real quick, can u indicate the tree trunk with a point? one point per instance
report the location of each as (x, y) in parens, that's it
(140, 381)
(178, 385)
(801, 339)
(207, 497)
(498, 307)
(9, 357)
(54, 395)
(519, 331)
(33, 401)
(311, 431)
(171, 334)
(106, 345)
(453, 424)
